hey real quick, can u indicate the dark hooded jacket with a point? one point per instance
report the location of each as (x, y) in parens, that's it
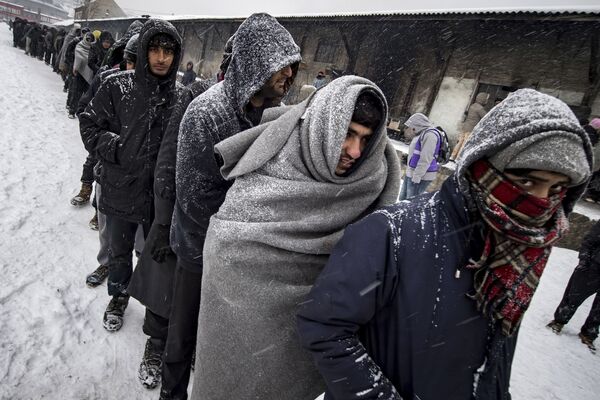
(152, 282)
(123, 126)
(261, 48)
(114, 55)
(98, 52)
(389, 317)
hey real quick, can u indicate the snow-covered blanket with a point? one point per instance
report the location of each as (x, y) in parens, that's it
(272, 236)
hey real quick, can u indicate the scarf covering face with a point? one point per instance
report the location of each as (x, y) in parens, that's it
(519, 238)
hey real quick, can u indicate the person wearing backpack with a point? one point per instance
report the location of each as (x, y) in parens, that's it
(422, 162)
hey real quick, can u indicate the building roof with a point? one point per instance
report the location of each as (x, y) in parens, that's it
(585, 12)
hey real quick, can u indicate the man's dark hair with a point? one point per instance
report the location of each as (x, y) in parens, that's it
(163, 40)
(368, 110)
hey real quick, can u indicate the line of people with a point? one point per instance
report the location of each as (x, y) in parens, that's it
(274, 249)
(39, 41)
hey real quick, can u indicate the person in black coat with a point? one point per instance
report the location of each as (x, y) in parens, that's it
(424, 299)
(584, 282)
(99, 50)
(189, 76)
(69, 62)
(123, 127)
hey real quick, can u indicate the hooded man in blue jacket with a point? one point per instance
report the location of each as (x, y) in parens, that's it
(424, 299)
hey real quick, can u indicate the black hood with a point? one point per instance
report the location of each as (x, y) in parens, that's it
(115, 53)
(151, 28)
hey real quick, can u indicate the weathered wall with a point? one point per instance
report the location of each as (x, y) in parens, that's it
(452, 99)
(427, 63)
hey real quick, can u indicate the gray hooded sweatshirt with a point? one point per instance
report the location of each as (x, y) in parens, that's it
(261, 48)
(429, 140)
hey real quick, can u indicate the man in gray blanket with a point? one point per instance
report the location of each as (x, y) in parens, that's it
(301, 177)
(263, 65)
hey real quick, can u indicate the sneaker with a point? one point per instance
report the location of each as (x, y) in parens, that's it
(83, 197)
(151, 366)
(113, 316)
(555, 326)
(588, 341)
(94, 222)
(97, 277)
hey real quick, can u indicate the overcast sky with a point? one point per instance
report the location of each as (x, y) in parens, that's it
(285, 7)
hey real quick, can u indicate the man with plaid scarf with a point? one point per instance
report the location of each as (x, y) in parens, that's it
(424, 299)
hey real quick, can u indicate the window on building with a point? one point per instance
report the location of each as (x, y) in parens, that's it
(326, 51)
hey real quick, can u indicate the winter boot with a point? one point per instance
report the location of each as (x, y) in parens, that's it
(151, 366)
(97, 277)
(588, 341)
(555, 326)
(113, 316)
(94, 222)
(83, 197)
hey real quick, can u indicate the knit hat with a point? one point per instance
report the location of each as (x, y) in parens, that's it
(595, 123)
(555, 151)
(523, 119)
(97, 34)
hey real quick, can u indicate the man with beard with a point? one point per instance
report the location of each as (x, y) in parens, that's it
(300, 179)
(122, 127)
(263, 66)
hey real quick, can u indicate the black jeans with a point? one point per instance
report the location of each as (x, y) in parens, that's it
(78, 87)
(181, 340)
(121, 242)
(87, 174)
(156, 327)
(584, 282)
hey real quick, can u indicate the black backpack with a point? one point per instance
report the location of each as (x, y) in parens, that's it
(443, 156)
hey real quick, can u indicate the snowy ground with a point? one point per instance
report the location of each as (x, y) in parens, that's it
(52, 344)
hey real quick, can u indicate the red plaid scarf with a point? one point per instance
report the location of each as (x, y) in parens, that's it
(520, 234)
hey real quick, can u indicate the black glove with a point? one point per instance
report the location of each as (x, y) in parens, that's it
(158, 242)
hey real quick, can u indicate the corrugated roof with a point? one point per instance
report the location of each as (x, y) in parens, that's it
(590, 11)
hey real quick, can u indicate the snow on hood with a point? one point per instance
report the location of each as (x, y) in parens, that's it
(261, 47)
(151, 28)
(522, 114)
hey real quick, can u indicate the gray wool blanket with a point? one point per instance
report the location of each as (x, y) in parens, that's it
(272, 236)
(80, 65)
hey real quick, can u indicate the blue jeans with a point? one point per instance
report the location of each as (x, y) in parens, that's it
(410, 189)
